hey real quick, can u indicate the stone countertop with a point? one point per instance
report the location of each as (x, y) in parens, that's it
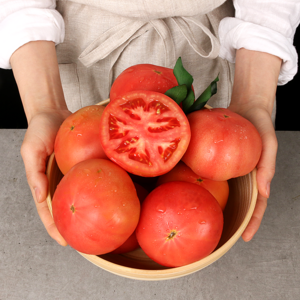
(33, 266)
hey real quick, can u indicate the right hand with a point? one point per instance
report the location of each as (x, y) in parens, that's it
(37, 146)
(261, 119)
(253, 96)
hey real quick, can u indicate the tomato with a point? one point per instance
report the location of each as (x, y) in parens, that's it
(180, 223)
(131, 243)
(181, 172)
(223, 144)
(148, 183)
(142, 193)
(143, 77)
(78, 138)
(144, 132)
(95, 206)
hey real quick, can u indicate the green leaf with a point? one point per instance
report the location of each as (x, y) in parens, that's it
(188, 101)
(182, 75)
(204, 97)
(177, 93)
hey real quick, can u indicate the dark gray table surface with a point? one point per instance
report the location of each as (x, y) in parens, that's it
(33, 266)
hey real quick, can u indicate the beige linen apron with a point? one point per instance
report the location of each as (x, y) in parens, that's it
(104, 37)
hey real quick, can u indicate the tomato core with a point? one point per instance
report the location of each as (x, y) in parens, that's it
(72, 208)
(150, 123)
(171, 235)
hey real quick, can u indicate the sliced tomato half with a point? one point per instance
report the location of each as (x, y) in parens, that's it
(144, 132)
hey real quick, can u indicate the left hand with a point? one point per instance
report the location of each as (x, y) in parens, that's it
(37, 146)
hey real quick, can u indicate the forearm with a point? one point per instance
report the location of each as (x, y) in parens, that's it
(255, 80)
(36, 72)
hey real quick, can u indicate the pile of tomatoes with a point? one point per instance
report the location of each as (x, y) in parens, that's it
(141, 173)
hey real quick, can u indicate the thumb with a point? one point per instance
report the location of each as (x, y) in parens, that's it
(35, 159)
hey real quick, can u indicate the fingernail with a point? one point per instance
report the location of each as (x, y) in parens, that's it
(61, 240)
(37, 194)
(268, 190)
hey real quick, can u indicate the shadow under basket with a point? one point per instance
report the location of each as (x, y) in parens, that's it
(137, 265)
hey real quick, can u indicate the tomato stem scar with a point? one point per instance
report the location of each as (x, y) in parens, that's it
(171, 235)
(72, 208)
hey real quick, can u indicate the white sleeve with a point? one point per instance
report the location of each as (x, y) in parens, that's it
(266, 26)
(24, 21)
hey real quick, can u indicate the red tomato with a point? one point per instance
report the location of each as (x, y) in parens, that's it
(78, 138)
(142, 193)
(144, 132)
(148, 183)
(181, 172)
(223, 144)
(95, 206)
(143, 77)
(180, 223)
(132, 243)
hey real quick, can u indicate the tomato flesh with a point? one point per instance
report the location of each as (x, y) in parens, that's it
(144, 132)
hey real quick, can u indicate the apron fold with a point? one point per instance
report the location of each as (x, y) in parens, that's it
(183, 24)
(120, 34)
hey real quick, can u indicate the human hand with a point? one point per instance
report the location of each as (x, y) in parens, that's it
(253, 97)
(36, 71)
(37, 146)
(261, 119)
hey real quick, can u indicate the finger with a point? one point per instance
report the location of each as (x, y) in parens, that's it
(264, 176)
(35, 157)
(44, 213)
(255, 221)
(267, 164)
(35, 165)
